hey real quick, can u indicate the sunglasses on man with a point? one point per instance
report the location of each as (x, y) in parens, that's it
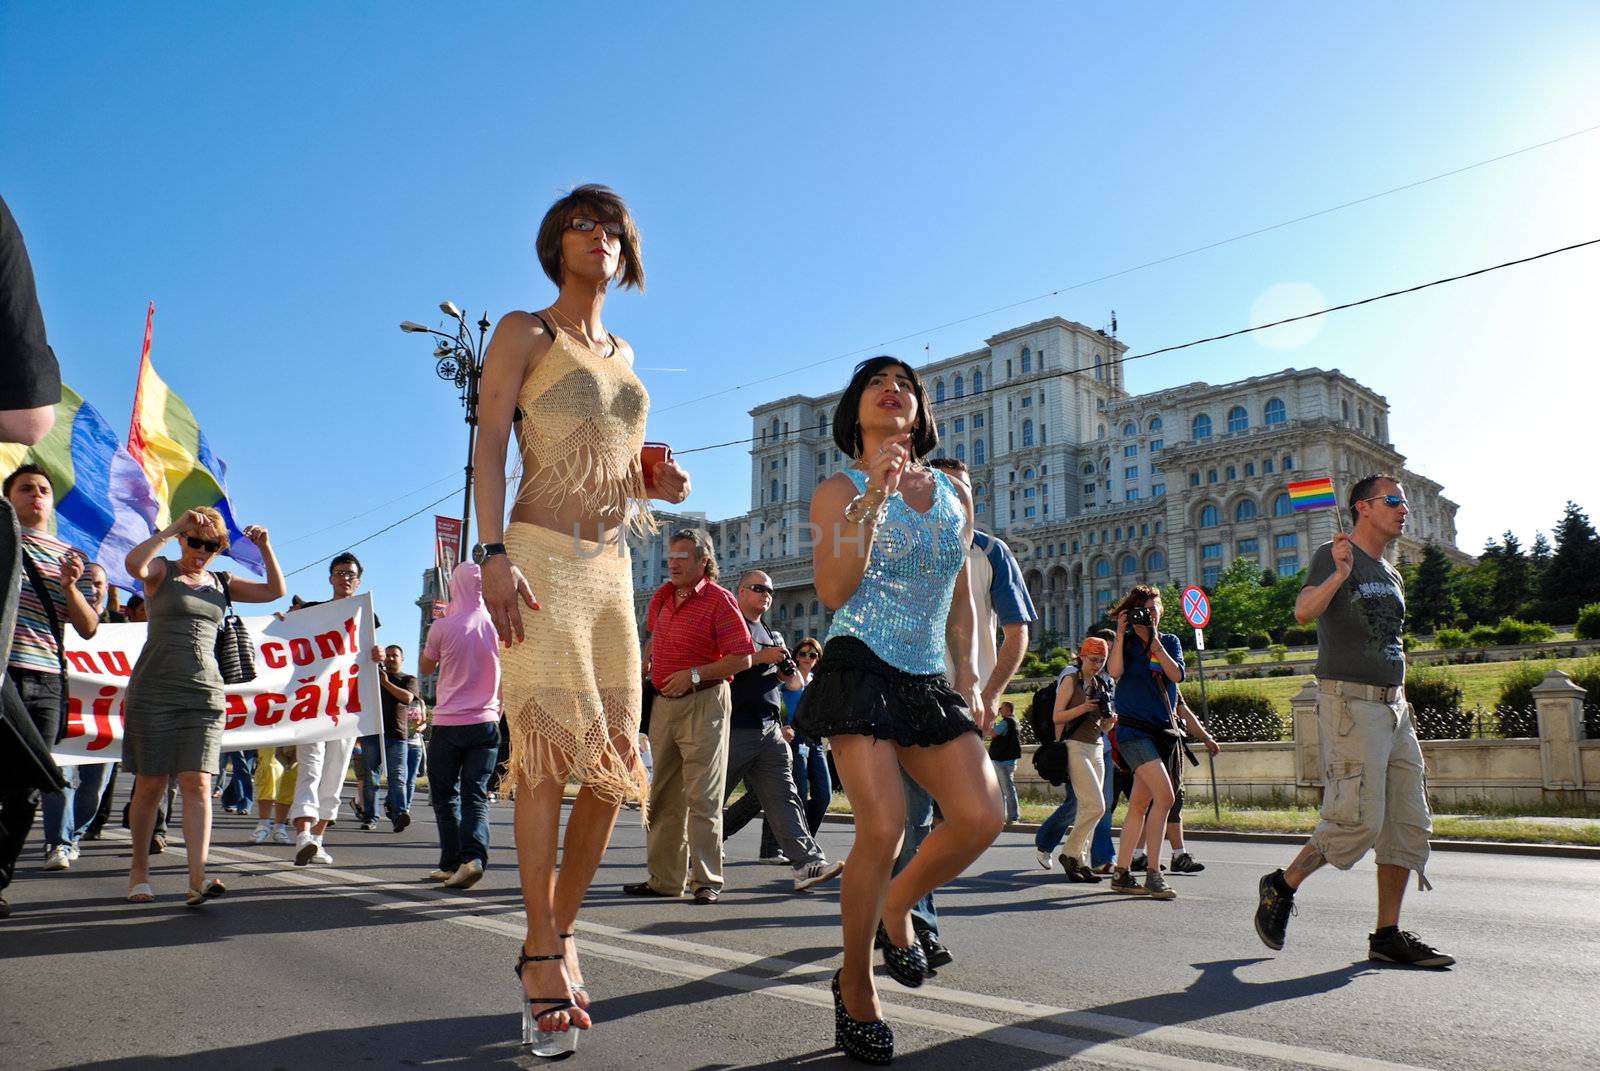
(760, 589)
(1392, 501)
(210, 546)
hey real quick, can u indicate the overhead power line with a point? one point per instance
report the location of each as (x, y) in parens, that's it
(379, 532)
(1137, 267)
(1241, 331)
(367, 512)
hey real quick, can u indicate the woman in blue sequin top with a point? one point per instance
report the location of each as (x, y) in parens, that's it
(889, 555)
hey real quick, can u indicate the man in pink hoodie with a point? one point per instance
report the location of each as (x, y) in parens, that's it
(465, 741)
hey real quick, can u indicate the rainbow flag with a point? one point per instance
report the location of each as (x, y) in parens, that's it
(1312, 494)
(166, 442)
(104, 505)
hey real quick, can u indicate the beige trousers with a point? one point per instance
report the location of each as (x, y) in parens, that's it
(689, 748)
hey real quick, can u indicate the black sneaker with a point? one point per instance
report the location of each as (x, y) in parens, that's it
(1077, 873)
(1124, 882)
(1394, 945)
(1140, 861)
(938, 955)
(1273, 911)
(1184, 863)
(401, 821)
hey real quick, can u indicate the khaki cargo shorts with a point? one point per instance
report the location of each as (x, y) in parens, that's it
(1374, 793)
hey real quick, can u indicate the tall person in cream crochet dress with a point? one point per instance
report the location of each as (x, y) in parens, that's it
(558, 580)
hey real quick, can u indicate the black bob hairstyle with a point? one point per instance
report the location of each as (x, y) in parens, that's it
(847, 417)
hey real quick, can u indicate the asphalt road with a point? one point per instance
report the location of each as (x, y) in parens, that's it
(362, 964)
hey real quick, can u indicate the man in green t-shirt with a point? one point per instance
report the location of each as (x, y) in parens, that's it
(1373, 795)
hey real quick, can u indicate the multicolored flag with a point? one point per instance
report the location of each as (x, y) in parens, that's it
(167, 443)
(104, 505)
(1312, 494)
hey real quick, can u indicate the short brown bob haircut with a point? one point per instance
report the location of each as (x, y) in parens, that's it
(847, 418)
(602, 205)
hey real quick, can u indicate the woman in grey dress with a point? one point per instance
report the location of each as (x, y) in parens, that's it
(172, 721)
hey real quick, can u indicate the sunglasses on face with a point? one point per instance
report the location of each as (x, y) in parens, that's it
(584, 226)
(345, 574)
(1392, 501)
(760, 589)
(210, 546)
(807, 654)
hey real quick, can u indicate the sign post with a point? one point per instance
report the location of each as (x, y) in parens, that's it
(1197, 611)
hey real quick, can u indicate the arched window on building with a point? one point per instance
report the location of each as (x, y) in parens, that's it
(1088, 468)
(1245, 511)
(960, 386)
(1129, 566)
(1209, 517)
(977, 382)
(1200, 427)
(1288, 462)
(1027, 433)
(1027, 360)
(1275, 413)
(977, 452)
(774, 490)
(1099, 371)
(1238, 420)
(938, 390)
(1129, 430)
(961, 451)
(1027, 474)
(1155, 423)
(1155, 561)
(1102, 568)
(1281, 506)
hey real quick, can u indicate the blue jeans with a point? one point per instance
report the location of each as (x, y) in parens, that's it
(1005, 770)
(241, 791)
(811, 782)
(371, 773)
(460, 760)
(919, 823)
(397, 760)
(413, 764)
(68, 813)
(1053, 829)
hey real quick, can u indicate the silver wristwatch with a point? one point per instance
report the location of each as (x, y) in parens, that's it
(694, 674)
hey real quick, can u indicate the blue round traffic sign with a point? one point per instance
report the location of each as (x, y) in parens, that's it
(1196, 607)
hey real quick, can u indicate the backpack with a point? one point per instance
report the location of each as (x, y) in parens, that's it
(1041, 713)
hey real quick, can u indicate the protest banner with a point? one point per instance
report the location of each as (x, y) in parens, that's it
(315, 680)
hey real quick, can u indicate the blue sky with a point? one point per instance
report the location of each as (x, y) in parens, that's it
(288, 183)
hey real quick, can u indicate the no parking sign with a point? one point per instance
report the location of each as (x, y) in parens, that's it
(1197, 611)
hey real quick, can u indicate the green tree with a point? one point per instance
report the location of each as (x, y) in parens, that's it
(1538, 562)
(1510, 591)
(1429, 601)
(1572, 578)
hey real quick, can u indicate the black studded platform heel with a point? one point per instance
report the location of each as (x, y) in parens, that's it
(908, 966)
(871, 1042)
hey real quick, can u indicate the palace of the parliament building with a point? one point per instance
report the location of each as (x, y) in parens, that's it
(1094, 489)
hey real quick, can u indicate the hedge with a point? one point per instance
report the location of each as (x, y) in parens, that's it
(1589, 622)
(1237, 714)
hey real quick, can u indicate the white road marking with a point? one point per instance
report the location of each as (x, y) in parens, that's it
(429, 900)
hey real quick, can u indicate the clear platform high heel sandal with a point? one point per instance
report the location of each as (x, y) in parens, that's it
(550, 1044)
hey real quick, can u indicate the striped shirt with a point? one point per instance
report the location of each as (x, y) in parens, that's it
(34, 646)
(705, 627)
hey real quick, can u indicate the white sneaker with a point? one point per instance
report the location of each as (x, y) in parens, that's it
(1046, 860)
(59, 858)
(441, 875)
(305, 846)
(262, 833)
(282, 835)
(775, 860)
(815, 873)
(466, 876)
(321, 855)
(73, 852)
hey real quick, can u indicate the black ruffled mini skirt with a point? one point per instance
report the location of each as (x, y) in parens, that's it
(854, 692)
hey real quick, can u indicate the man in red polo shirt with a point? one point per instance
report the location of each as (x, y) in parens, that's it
(698, 640)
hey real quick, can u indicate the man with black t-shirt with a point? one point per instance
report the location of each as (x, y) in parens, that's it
(757, 752)
(1373, 792)
(1005, 748)
(399, 692)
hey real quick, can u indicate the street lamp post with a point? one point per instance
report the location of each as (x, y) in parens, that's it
(459, 360)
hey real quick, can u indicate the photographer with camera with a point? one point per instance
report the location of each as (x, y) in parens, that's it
(1147, 666)
(758, 749)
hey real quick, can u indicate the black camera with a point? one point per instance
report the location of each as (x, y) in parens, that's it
(787, 667)
(1140, 615)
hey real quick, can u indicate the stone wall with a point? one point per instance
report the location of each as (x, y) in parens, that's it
(1558, 767)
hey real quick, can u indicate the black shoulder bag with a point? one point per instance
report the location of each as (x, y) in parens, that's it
(57, 629)
(236, 652)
